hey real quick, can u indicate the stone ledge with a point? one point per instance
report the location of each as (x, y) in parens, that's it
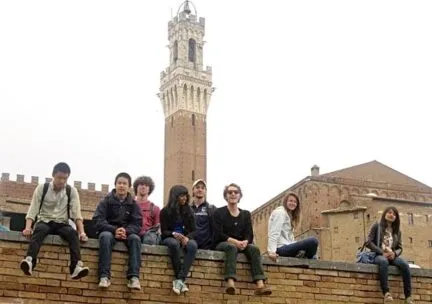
(14, 236)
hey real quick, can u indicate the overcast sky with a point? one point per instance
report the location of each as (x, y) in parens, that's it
(298, 83)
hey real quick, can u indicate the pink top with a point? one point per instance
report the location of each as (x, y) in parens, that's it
(148, 220)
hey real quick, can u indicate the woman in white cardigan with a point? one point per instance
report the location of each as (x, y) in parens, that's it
(281, 226)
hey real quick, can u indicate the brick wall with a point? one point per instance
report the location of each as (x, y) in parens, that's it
(292, 280)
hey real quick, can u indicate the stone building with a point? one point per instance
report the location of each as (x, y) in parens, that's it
(185, 92)
(339, 207)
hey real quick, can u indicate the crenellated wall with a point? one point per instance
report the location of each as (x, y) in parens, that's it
(293, 281)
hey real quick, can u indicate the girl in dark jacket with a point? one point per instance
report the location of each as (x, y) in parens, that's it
(386, 241)
(178, 228)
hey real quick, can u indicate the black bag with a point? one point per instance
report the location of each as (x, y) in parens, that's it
(366, 256)
(152, 236)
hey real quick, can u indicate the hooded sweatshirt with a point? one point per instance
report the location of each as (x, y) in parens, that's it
(173, 213)
(280, 230)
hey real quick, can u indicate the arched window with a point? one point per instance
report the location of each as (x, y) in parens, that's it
(192, 50)
(175, 51)
(193, 120)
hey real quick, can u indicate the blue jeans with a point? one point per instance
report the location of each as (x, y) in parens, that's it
(107, 242)
(181, 271)
(309, 245)
(404, 269)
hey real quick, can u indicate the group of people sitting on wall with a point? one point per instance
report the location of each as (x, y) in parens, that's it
(184, 225)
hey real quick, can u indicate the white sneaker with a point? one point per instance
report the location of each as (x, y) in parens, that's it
(177, 286)
(409, 300)
(184, 287)
(26, 265)
(104, 282)
(80, 271)
(134, 283)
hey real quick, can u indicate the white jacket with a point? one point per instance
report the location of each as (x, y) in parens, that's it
(280, 230)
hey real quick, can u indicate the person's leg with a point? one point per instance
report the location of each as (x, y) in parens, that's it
(70, 235)
(134, 248)
(40, 232)
(106, 243)
(253, 255)
(230, 276)
(382, 263)
(189, 257)
(174, 253)
(406, 274)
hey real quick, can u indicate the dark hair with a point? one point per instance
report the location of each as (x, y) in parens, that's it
(295, 214)
(173, 207)
(125, 175)
(61, 167)
(144, 180)
(225, 192)
(395, 224)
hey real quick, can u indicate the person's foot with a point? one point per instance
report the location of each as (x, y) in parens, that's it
(184, 287)
(134, 283)
(80, 271)
(104, 282)
(263, 291)
(301, 254)
(409, 300)
(177, 286)
(388, 297)
(26, 265)
(230, 288)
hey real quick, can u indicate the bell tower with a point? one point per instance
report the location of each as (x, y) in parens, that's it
(185, 92)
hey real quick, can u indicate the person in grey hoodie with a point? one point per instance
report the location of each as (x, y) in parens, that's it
(282, 223)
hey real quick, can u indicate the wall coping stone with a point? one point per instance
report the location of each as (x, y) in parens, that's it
(15, 236)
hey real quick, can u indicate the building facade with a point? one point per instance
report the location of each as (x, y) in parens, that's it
(339, 207)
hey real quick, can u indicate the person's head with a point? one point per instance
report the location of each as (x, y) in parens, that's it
(178, 196)
(291, 203)
(199, 189)
(232, 193)
(60, 174)
(143, 185)
(391, 216)
(122, 183)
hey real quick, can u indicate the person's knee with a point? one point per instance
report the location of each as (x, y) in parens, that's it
(192, 246)
(105, 236)
(171, 243)
(381, 260)
(253, 249)
(314, 241)
(230, 248)
(133, 238)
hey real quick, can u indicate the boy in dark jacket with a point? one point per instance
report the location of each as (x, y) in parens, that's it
(118, 218)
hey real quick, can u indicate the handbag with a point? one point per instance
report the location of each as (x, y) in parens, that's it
(366, 256)
(152, 236)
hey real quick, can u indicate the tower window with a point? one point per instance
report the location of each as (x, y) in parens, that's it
(172, 122)
(175, 51)
(430, 243)
(357, 239)
(368, 217)
(193, 175)
(410, 219)
(193, 120)
(427, 218)
(192, 50)
(410, 240)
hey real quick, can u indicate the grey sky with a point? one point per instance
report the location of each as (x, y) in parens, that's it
(332, 83)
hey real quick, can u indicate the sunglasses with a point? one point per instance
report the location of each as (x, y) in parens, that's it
(232, 192)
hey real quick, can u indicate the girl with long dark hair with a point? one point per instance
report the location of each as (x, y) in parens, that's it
(178, 228)
(386, 241)
(282, 222)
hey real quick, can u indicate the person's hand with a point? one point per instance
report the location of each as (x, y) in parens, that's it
(387, 255)
(273, 256)
(27, 232)
(83, 237)
(184, 241)
(178, 236)
(392, 255)
(120, 233)
(243, 244)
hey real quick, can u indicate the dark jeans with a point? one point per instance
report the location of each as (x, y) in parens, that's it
(181, 271)
(65, 231)
(309, 245)
(106, 244)
(404, 269)
(253, 255)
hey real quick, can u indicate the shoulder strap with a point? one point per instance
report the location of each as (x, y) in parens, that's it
(68, 193)
(151, 209)
(44, 192)
(379, 235)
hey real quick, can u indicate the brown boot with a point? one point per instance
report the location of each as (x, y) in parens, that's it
(263, 291)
